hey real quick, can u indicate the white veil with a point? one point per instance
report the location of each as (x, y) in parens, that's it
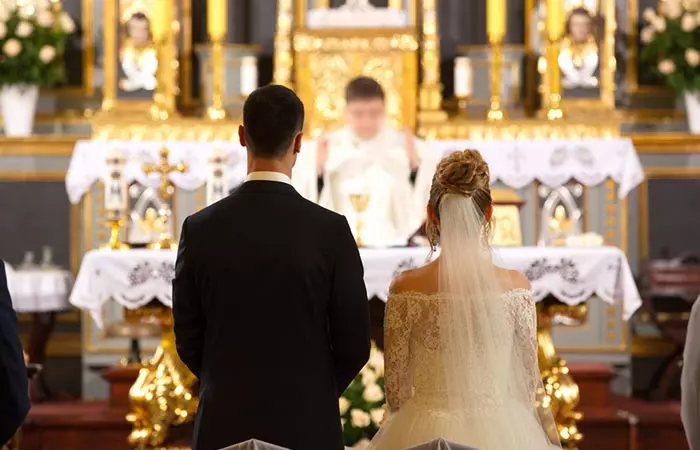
(489, 347)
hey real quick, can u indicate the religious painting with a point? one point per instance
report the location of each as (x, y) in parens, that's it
(587, 56)
(138, 59)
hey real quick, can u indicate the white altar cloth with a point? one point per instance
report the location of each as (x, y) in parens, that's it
(133, 278)
(39, 290)
(554, 162)
(88, 163)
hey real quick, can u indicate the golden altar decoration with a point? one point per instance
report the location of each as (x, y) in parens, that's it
(318, 63)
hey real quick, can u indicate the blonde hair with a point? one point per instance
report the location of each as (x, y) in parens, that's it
(464, 174)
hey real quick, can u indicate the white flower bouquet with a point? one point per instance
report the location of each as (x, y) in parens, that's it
(362, 403)
(672, 43)
(33, 38)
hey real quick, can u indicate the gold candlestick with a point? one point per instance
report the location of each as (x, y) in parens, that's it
(555, 29)
(359, 204)
(216, 27)
(115, 223)
(163, 106)
(496, 30)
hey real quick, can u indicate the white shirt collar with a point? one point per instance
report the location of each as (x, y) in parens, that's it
(268, 176)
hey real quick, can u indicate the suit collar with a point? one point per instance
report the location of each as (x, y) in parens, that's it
(266, 187)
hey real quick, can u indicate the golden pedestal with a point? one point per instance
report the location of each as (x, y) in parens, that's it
(560, 389)
(162, 395)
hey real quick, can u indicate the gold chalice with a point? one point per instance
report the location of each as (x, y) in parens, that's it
(115, 222)
(359, 202)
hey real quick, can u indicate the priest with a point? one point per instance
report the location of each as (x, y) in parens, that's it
(367, 170)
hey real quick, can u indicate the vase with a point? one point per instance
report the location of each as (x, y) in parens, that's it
(692, 108)
(18, 107)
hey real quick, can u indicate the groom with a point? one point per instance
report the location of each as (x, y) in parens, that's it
(269, 302)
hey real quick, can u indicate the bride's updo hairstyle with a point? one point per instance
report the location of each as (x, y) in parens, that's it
(463, 174)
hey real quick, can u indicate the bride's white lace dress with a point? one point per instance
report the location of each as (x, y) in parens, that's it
(495, 418)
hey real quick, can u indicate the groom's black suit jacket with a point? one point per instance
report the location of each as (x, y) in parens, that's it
(271, 315)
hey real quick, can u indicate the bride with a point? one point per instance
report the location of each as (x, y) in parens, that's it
(460, 333)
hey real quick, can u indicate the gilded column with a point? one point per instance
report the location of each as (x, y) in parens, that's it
(110, 50)
(496, 30)
(555, 30)
(430, 98)
(217, 15)
(283, 59)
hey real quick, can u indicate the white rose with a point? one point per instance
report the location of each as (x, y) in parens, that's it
(66, 23)
(362, 444)
(373, 393)
(368, 376)
(377, 415)
(47, 54)
(667, 67)
(376, 361)
(659, 24)
(647, 35)
(42, 5)
(4, 13)
(672, 9)
(688, 23)
(343, 405)
(359, 418)
(24, 13)
(649, 14)
(45, 19)
(24, 29)
(693, 57)
(12, 48)
(3, 30)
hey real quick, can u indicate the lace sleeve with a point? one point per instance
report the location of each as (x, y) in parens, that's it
(525, 314)
(397, 331)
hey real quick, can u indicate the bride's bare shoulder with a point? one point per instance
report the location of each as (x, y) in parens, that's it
(420, 280)
(512, 279)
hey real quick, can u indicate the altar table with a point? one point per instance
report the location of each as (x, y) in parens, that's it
(133, 278)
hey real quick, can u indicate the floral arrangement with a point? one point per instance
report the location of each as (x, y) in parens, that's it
(362, 403)
(32, 42)
(672, 43)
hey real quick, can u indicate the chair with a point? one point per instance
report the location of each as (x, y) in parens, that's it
(254, 444)
(441, 444)
(669, 289)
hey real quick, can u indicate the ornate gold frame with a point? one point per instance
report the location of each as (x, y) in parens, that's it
(606, 98)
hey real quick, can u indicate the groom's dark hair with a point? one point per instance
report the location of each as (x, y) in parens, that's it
(272, 117)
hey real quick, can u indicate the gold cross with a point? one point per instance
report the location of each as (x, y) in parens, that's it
(163, 169)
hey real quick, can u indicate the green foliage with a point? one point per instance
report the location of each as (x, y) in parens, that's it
(362, 403)
(39, 52)
(671, 44)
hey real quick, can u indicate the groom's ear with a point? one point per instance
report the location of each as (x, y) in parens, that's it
(297, 142)
(241, 135)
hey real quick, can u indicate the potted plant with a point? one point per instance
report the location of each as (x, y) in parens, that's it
(32, 44)
(362, 403)
(672, 47)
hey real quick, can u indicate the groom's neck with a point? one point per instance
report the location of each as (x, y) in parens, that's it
(269, 165)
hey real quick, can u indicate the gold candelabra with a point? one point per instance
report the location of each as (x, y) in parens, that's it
(166, 191)
(216, 23)
(115, 222)
(496, 30)
(555, 29)
(359, 204)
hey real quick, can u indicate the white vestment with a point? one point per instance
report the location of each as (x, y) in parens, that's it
(379, 168)
(690, 380)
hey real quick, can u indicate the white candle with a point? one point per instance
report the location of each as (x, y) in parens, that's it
(463, 73)
(249, 75)
(114, 182)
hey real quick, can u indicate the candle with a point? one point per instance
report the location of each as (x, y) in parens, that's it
(160, 20)
(249, 75)
(463, 73)
(216, 18)
(114, 182)
(555, 19)
(496, 19)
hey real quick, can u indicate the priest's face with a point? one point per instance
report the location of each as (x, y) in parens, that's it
(366, 117)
